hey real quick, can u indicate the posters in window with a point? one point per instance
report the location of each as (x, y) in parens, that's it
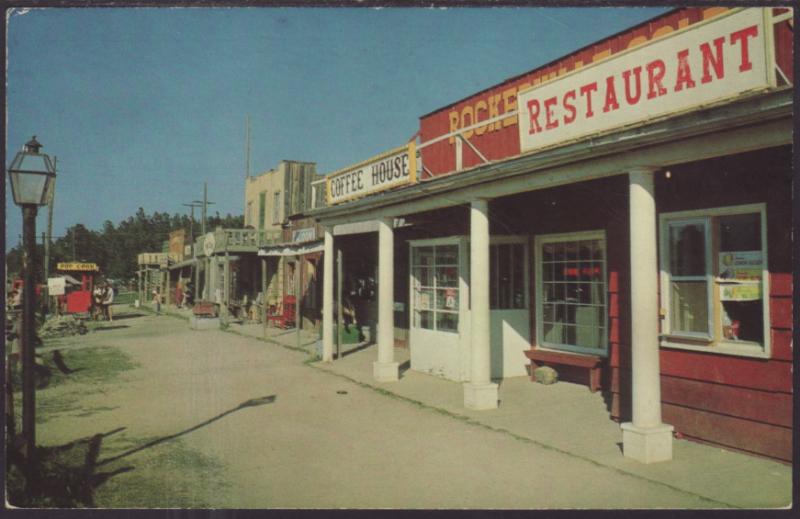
(740, 292)
(738, 265)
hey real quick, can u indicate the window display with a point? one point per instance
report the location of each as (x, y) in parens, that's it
(435, 287)
(571, 287)
(716, 265)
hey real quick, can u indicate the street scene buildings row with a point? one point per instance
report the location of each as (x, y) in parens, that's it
(622, 214)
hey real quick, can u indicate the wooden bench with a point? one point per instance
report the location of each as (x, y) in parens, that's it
(204, 309)
(590, 362)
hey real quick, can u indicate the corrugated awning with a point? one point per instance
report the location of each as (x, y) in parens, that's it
(293, 249)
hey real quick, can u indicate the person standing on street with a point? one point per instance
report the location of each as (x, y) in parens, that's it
(157, 301)
(108, 300)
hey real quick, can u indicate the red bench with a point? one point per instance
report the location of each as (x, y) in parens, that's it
(590, 362)
(204, 309)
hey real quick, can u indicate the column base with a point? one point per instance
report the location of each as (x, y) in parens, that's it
(386, 371)
(647, 444)
(480, 396)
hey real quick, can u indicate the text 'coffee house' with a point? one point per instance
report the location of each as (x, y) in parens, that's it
(621, 214)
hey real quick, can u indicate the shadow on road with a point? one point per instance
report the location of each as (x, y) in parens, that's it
(253, 402)
(131, 315)
(65, 476)
(113, 327)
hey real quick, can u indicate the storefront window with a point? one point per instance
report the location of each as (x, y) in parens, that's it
(715, 277)
(571, 292)
(436, 297)
(507, 275)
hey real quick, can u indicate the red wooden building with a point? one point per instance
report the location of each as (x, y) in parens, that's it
(629, 203)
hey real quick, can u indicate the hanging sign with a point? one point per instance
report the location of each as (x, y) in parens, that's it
(307, 234)
(77, 267)
(704, 63)
(394, 168)
(56, 286)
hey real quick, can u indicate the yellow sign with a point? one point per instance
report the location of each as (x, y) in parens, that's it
(740, 292)
(389, 170)
(79, 267)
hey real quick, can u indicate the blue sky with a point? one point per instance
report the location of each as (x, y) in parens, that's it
(141, 106)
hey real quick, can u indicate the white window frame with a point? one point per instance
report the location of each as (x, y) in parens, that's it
(707, 277)
(458, 241)
(724, 347)
(540, 240)
(506, 240)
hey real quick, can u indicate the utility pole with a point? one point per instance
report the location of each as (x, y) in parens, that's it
(205, 203)
(50, 198)
(191, 220)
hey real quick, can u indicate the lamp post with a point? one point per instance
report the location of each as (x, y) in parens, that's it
(30, 174)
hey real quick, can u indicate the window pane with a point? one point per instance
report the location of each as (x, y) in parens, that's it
(446, 321)
(743, 321)
(423, 256)
(548, 251)
(447, 255)
(518, 271)
(599, 250)
(689, 306)
(547, 272)
(423, 299)
(548, 313)
(571, 248)
(424, 320)
(423, 275)
(504, 276)
(493, 288)
(585, 250)
(447, 299)
(553, 332)
(573, 299)
(741, 232)
(446, 276)
(687, 249)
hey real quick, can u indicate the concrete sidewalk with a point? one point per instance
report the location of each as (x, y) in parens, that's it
(571, 420)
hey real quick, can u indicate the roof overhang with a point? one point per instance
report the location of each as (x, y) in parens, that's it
(758, 121)
(292, 249)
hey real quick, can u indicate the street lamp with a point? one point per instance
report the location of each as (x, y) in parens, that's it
(30, 174)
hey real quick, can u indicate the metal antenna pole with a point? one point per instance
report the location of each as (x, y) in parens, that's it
(247, 152)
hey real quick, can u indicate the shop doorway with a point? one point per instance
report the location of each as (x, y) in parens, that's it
(509, 302)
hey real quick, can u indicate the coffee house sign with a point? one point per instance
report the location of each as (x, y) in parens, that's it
(699, 65)
(394, 168)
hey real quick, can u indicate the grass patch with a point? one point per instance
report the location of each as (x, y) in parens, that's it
(59, 393)
(169, 475)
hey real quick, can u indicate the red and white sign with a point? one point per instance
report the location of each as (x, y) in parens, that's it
(702, 64)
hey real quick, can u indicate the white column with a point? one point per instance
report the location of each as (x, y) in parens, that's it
(327, 297)
(385, 369)
(480, 392)
(645, 439)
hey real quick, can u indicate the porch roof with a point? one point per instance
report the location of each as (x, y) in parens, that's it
(757, 121)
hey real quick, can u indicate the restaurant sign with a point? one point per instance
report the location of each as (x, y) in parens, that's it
(701, 64)
(394, 168)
